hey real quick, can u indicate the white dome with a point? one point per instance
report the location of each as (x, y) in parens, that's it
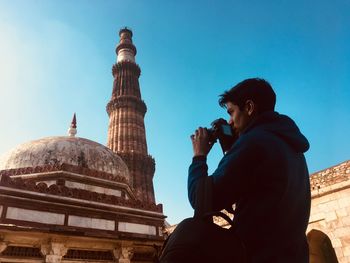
(65, 150)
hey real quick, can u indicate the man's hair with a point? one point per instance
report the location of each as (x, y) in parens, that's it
(255, 89)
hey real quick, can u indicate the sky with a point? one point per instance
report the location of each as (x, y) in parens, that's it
(56, 59)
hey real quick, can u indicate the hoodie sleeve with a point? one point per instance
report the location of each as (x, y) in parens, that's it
(231, 178)
(197, 171)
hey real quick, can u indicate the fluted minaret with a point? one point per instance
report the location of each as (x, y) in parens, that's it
(126, 110)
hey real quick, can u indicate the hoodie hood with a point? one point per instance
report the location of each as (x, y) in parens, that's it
(283, 127)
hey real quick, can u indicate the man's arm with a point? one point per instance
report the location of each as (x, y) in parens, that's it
(230, 180)
(236, 173)
(198, 171)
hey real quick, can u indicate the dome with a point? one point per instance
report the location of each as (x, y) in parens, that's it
(65, 150)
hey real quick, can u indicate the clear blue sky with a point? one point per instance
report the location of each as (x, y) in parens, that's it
(56, 59)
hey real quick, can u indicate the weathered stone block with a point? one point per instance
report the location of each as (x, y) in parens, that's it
(35, 216)
(330, 216)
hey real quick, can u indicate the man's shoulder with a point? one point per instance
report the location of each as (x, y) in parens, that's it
(253, 141)
(257, 135)
(259, 140)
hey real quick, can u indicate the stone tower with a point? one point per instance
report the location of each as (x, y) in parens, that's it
(126, 110)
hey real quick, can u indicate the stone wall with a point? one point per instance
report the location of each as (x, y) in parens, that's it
(330, 208)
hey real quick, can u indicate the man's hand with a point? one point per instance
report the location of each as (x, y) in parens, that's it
(225, 133)
(200, 142)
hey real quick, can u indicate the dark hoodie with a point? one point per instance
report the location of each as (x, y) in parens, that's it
(265, 175)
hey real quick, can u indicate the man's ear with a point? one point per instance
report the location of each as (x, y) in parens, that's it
(250, 107)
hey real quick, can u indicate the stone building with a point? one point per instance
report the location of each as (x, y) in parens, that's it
(69, 199)
(329, 225)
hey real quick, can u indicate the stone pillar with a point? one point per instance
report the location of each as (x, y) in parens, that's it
(123, 254)
(53, 252)
(3, 246)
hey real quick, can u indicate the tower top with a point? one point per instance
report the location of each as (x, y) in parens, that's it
(125, 50)
(125, 30)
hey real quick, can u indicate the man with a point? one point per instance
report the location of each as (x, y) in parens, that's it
(264, 174)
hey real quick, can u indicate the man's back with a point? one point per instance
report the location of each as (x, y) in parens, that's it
(272, 211)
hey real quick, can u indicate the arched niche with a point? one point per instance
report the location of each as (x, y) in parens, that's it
(320, 247)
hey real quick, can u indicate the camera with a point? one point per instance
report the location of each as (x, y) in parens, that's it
(222, 131)
(219, 128)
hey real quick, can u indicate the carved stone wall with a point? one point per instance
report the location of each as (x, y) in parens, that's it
(330, 207)
(64, 191)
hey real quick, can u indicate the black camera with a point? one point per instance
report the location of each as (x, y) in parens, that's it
(222, 131)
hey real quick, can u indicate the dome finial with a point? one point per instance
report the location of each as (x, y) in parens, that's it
(72, 131)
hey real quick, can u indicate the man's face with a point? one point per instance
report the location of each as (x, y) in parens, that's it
(239, 119)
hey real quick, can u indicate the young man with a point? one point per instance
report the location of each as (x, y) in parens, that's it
(264, 174)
